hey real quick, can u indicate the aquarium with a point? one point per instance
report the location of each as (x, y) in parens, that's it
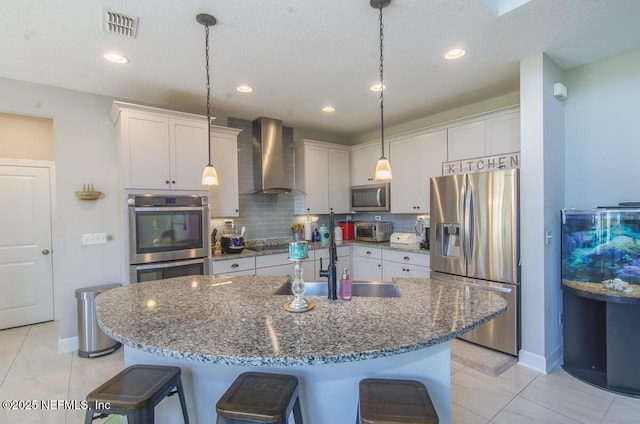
(601, 250)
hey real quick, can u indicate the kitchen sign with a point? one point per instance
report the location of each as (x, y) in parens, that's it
(483, 164)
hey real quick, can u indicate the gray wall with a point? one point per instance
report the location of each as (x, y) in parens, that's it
(603, 132)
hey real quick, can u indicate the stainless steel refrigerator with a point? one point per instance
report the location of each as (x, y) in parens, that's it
(475, 240)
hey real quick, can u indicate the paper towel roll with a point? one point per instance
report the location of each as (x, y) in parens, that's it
(307, 230)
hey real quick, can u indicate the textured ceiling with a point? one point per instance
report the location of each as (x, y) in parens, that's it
(300, 55)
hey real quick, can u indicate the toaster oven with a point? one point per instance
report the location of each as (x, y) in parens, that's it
(373, 231)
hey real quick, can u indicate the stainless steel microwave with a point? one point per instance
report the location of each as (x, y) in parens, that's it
(370, 198)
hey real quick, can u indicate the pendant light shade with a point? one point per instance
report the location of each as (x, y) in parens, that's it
(209, 174)
(383, 167)
(383, 170)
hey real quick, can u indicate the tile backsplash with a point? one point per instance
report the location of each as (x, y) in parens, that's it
(271, 216)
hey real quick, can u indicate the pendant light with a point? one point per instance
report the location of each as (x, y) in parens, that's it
(209, 175)
(383, 167)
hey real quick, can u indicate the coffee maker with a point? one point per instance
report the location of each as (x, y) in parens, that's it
(422, 231)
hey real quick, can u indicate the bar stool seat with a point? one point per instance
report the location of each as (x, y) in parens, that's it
(386, 401)
(135, 392)
(256, 397)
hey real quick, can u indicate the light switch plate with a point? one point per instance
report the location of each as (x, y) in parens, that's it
(94, 238)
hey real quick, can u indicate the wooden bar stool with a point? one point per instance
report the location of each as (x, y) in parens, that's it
(135, 392)
(256, 397)
(395, 401)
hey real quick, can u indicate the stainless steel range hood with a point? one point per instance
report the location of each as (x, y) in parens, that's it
(268, 158)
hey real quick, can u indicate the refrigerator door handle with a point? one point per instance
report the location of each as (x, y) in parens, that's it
(468, 219)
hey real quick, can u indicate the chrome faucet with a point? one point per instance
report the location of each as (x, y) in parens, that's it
(330, 272)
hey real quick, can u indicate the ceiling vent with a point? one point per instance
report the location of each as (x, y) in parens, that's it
(117, 23)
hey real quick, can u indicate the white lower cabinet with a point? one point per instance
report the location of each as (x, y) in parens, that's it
(235, 266)
(367, 263)
(344, 260)
(398, 264)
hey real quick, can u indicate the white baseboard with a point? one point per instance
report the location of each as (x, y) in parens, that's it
(538, 362)
(68, 344)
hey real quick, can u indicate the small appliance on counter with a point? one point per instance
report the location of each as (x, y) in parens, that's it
(403, 238)
(378, 231)
(347, 230)
(232, 242)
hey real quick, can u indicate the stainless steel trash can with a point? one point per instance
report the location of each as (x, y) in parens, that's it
(92, 341)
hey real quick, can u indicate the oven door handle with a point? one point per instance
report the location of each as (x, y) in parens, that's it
(160, 265)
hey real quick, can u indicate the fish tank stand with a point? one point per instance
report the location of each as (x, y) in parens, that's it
(601, 297)
(601, 337)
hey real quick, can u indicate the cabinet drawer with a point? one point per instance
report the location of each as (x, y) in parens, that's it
(324, 253)
(275, 260)
(406, 257)
(272, 260)
(368, 252)
(232, 265)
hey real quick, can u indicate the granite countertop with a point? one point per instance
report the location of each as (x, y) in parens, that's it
(239, 321)
(247, 252)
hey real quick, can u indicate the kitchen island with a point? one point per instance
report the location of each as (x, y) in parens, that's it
(214, 328)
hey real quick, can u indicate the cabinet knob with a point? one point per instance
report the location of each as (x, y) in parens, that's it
(45, 252)
(166, 181)
(237, 210)
(234, 265)
(368, 252)
(406, 258)
(173, 182)
(379, 265)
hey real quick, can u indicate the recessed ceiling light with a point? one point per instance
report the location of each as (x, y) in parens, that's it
(454, 54)
(244, 88)
(115, 58)
(376, 87)
(328, 109)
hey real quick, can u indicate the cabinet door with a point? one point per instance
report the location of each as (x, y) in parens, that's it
(366, 269)
(223, 198)
(145, 151)
(433, 152)
(189, 151)
(406, 184)
(466, 141)
(339, 181)
(503, 134)
(316, 179)
(363, 163)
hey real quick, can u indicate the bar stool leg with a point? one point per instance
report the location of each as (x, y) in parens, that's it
(88, 416)
(297, 413)
(183, 403)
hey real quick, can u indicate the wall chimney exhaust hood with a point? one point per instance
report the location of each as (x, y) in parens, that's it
(268, 159)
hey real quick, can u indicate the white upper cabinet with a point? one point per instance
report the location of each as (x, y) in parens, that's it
(322, 172)
(363, 162)
(414, 160)
(223, 198)
(160, 149)
(503, 134)
(492, 135)
(466, 141)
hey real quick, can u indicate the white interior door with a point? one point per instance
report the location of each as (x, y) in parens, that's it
(26, 277)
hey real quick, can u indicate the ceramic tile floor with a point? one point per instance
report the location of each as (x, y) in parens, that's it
(31, 368)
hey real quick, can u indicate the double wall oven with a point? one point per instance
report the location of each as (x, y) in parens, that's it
(167, 236)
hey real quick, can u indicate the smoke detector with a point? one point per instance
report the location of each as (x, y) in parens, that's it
(117, 23)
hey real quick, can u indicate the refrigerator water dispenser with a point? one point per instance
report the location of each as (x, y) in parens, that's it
(450, 239)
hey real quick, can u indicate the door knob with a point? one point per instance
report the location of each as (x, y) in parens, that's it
(45, 252)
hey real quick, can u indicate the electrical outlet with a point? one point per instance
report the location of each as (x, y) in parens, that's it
(94, 238)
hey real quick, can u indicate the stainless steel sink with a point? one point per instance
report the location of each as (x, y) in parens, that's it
(358, 288)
